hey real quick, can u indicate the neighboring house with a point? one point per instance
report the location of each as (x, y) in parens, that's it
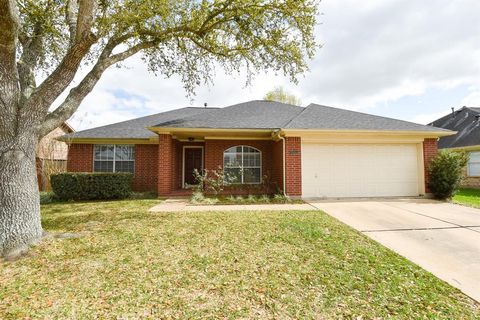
(466, 121)
(315, 151)
(52, 155)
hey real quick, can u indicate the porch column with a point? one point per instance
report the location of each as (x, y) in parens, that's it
(165, 164)
(293, 166)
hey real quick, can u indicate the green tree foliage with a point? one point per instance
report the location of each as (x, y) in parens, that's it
(279, 94)
(446, 172)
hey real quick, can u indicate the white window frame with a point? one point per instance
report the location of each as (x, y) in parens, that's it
(114, 153)
(242, 166)
(470, 162)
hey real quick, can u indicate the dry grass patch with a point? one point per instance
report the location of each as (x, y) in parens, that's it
(134, 264)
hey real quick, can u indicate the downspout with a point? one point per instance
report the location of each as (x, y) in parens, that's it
(277, 135)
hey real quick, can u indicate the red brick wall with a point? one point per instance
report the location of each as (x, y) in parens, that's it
(277, 165)
(430, 149)
(146, 167)
(80, 158)
(293, 163)
(165, 164)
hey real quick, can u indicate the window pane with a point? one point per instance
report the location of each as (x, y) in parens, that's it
(232, 160)
(251, 175)
(103, 166)
(124, 166)
(474, 157)
(250, 149)
(474, 169)
(251, 160)
(233, 175)
(124, 152)
(103, 152)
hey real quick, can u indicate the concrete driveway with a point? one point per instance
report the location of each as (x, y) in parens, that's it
(442, 238)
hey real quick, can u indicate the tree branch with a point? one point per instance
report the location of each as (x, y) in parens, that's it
(77, 94)
(71, 19)
(61, 77)
(9, 26)
(86, 11)
(29, 59)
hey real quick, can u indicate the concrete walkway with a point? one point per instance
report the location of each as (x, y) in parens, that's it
(182, 205)
(440, 237)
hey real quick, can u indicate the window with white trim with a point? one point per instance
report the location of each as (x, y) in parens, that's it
(113, 158)
(474, 164)
(242, 165)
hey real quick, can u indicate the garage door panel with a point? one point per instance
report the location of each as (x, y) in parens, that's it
(367, 170)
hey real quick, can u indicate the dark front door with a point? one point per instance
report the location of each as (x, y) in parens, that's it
(193, 160)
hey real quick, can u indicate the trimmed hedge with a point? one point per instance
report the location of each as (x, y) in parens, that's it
(91, 186)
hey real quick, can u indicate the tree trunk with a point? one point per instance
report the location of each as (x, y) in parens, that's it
(20, 224)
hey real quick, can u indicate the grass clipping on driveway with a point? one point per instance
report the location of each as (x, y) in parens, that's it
(134, 264)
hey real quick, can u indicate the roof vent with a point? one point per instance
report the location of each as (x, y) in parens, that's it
(453, 112)
(205, 104)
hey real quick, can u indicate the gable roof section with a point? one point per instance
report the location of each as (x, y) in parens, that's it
(328, 118)
(251, 115)
(466, 123)
(135, 128)
(256, 114)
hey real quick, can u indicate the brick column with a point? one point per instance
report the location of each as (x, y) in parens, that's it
(293, 166)
(430, 149)
(165, 169)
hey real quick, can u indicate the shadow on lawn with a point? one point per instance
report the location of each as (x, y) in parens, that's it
(73, 215)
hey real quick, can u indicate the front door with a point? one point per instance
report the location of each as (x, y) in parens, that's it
(193, 160)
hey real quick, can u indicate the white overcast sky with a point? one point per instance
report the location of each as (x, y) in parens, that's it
(407, 59)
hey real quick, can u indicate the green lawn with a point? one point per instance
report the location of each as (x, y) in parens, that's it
(469, 197)
(133, 264)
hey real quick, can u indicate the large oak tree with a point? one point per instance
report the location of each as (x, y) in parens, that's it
(52, 39)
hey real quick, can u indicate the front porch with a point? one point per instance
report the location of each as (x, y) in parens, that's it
(178, 157)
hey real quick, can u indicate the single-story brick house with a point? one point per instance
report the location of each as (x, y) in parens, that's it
(466, 122)
(312, 151)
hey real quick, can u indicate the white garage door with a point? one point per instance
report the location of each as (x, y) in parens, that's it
(359, 170)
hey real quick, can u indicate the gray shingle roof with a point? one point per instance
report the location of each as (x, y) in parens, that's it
(256, 114)
(465, 123)
(137, 128)
(327, 118)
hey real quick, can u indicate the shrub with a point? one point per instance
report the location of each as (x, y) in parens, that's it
(265, 199)
(445, 173)
(92, 186)
(211, 180)
(197, 197)
(281, 198)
